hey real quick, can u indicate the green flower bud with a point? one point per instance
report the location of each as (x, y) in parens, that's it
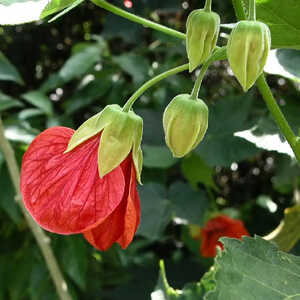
(202, 30)
(185, 122)
(121, 133)
(247, 51)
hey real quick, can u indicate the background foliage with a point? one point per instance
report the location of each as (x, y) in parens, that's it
(64, 72)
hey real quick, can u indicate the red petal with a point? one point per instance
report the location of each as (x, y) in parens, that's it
(63, 192)
(122, 224)
(133, 213)
(217, 227)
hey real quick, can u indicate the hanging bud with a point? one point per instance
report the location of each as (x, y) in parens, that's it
(247, 51)
(202, 30)
(185, 122)
(121, 133)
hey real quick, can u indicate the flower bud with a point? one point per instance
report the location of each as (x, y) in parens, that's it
(202, 30)
(185, 122)
(121, 132)
(247, 51)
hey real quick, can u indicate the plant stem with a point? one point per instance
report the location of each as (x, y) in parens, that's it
(239, 9)
(132, 17)
(207, 6)
(42, 240)
(218, 54)
(197, 85)
(269, 98)
(152, 82)
(277, 113)
(252, 10)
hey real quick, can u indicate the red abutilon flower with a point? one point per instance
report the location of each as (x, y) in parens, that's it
(216, 228)
(70, 185)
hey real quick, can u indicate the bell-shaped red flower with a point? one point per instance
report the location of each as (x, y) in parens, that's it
(65, 194)
(216, 228)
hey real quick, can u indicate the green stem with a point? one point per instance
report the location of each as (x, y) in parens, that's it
(132, 17)
(207, 6)
(269, 98)
(218, 54)
(277, 113)
(152, 82)
(197, 86)
(239, 9)
(43, 241)
(252, 10)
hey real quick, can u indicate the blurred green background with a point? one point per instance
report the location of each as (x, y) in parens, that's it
(68, 70)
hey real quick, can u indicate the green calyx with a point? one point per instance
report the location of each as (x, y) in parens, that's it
(121, 134)
(247, 51)
(185, 122)
(202, 30)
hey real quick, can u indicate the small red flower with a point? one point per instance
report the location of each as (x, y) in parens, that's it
(64, 193)
(217, 227)
(128, 3)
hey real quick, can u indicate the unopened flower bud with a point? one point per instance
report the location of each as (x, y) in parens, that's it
(202, 30)
(121, 132)
(247, 51)
(185, 122)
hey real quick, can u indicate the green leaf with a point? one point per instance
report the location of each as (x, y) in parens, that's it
(87, 94)
(14, 12)
(282, 17)
(153, 132)
(158, 157)
(220, 146)
(284, 62)
(39, 100)
(66, 10)
(226, 150)
(191, 291)
(41, 287)
(7, 102)
(197, 171)
(266, 141)
(8, 71)
(135, 65)
(56, 5)
(17, 133)
(287, 234)
(75, 259)
(79, 63)
(287, 174)
(8, 202)
(156, 210)
(30, 113)
(255, 269)
(187, 204)
(163, 291)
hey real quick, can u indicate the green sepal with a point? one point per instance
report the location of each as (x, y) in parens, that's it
(247, 51)
(121, 133)
(185, 123)
(202, 30)
(118, 139)
(90, 128)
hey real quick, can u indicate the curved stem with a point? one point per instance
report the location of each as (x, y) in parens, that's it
(269, 98)
(252, 10)
(197, 85)
(132, 17)
(277, 114)
(152, 82)
(218, 54)
(207, 6)
(41, 238)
